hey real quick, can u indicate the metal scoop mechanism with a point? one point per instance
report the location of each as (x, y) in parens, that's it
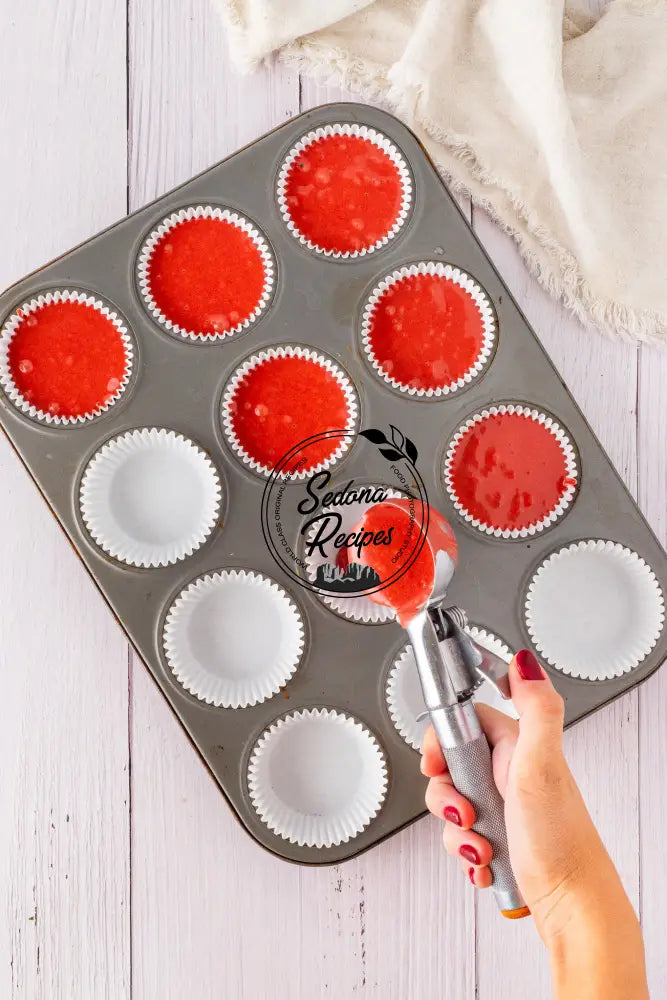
(451, 664)
(451, 667)
(459, 665)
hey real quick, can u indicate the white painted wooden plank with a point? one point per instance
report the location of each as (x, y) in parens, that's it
(325, 941)
(192, 860)
(396, 922)
(415, 913)
(602, 750)
(213, 914)
(64, 832)
(187, 108)
(652, 407)
(331, 932)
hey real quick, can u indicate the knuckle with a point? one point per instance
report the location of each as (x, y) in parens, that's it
(554, 705)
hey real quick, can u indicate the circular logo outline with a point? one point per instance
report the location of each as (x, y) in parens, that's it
(278, 475)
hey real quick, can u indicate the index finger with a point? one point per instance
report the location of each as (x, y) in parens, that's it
(498, 727)
(432, 763)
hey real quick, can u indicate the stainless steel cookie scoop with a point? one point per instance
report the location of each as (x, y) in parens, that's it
(451, 667)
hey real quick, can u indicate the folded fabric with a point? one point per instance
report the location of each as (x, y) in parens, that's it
(554, 122)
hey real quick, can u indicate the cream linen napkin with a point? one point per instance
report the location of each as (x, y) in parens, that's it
(554, 122)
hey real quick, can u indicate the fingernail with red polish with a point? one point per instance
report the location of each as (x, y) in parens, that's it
(528, 667)
(471, 875)
(468, 852)
(452, 815)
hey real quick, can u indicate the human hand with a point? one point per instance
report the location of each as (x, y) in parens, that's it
(560, 863)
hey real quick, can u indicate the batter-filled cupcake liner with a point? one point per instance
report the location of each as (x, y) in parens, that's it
(233, 638)
(228, 323)
(487, 331)
(27, 316)
(405, 700)
(150, 497)
(358, 132)
(348, 399)
(594, 609)
(358, 609)
(317, 777)
(565, 489)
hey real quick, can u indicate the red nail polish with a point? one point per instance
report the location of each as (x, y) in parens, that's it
(528, 667)
(471, 875)
(468, 852)
(452, 815)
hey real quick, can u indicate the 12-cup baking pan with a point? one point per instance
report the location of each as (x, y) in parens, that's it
(144, 377)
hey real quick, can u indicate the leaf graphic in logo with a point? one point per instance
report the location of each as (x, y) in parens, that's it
(396, 437)
(393, 456)
(411, 450)
(373, 435)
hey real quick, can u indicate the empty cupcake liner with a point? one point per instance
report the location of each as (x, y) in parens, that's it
(457, 277)
(405, 700)
(288, 351)
(594, 609)
(358, 609)
(233, 638)
(317, 777)
(203, 212)
(150, 497)
(13, 322)
(363, 132)
(571, 467)
(486, 693)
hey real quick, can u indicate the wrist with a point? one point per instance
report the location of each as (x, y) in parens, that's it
(594, 942)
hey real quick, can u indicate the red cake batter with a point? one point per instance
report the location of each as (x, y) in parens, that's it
(426, 332)
(67, 359)
(412, 589)
(283, 401)
(509, 471)
(206, 275)
(343, 193)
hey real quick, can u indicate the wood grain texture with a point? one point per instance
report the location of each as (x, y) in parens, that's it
(652, 456)
(64, 837)
(212, 915)
(602, 377)
(320, 932)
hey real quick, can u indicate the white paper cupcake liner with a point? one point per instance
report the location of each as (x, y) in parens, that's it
(288, 351)
(363, 132)
(317, 777)
(203, 212)
(486, 693)
(150, 497)
(233, 638)
(457, 277)
(594, 609)
(13, 322)
(571, 467)
(358, 609)
(405, 700)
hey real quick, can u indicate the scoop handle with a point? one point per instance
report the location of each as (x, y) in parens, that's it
(469, 763)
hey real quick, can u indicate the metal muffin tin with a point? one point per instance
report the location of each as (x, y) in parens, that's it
(317, 301)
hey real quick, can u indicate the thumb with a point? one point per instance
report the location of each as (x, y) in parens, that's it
(540, 707)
